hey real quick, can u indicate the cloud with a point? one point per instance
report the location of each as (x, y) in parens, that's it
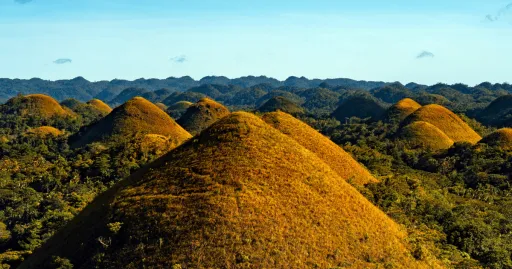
(62, 61)
(503, 12)
(22, 1)
(425, 54)
(179, 59)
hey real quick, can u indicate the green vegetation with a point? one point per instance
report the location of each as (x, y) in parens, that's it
(201, 115)
(362, 107)
(280, 103)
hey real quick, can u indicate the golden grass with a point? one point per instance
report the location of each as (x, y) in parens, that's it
(40, 105)
(240, 195)
(425, 135)
(339, 160)
(501, 138)
(449, 123)
(201, 115)
(280, 103)
(45, 131)
(402, 109)
(181, 105)
(138, 115)
(100, 105)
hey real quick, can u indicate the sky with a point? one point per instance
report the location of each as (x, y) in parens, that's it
(427, 42)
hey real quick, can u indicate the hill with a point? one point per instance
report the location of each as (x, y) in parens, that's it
(449, 123)
(498, 112)
(280, 103)
(44, 131)
(392, 93)
(162, 106)
(339, 160)
(201, 115)
(177, 110)
(256, 199)
(100, 105)
(88, 112)
(35, 105)
(501, 138)
(362, 107)
(425, 135)
(137, 116)
(126, 95)
(401, 110)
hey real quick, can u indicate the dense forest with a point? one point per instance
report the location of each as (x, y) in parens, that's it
(441, 155)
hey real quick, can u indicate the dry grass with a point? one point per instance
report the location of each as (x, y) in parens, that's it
(181, 105)
(100, 105)
(501, 138)
(425, 135)
(280, 103)
(240, 195)
(449, 123)
(201, 115)
(339, 160)
(39, 105)
(44, 131)
(402, 109)
(136, 116)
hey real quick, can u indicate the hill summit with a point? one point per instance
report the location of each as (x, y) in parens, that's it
(138, 115)
(362, 107)
(425, 135)
(446, 121)
(401, 110)
(280, 103)
(240, 195)
(36, 105)
(100, 105)
(339, 160)
(201, 115)
(501, 138)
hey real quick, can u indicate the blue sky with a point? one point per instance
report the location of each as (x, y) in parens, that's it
(370, 40)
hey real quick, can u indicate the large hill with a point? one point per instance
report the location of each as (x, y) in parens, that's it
(257, 199)
(425, 135)
(137, 116)
(35, 105)
(401, 110)
(501, 138)
(362, 107)
(201, 115)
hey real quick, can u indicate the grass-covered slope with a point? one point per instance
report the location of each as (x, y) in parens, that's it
(100, 105)
(137, 116)
(425, 135)
(177, 110)
(201, 115)
(280, 103)
(339, 160)
(501, 138)
(38, 105)
(44, 131)
(401, 110)
(449, 123)
(240, 195)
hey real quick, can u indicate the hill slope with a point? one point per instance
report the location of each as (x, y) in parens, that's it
(498, 112)
(177, 110)
(425, 135)
(282, 104)
(44, 131)
(401, 110)
(138, 115)
(449, 123)
(100, 105)
(257, 199)
(201, 115)
(361, 107)
(501, 138)
(38, 105)
(339, 160)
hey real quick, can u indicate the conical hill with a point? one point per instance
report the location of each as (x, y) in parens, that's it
(449, 123)
(333, 155)
(137, 116)
(280, 103)
(401, 110)
(38, 105)
(239, 195)
(100, 105)
(425, 135)
(201, 115)
(501, 138)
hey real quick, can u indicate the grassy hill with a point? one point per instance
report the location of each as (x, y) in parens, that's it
(425, 135)
(501, 138)
(361, 107)
(201, 115)
(256, 199)
(339, 160)
(401, 110)
(280, 103)
(498, 112)
(449, 123)
(38, 105)
(100, 105)
(138, 115)
(177, 110)
(44, 131)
